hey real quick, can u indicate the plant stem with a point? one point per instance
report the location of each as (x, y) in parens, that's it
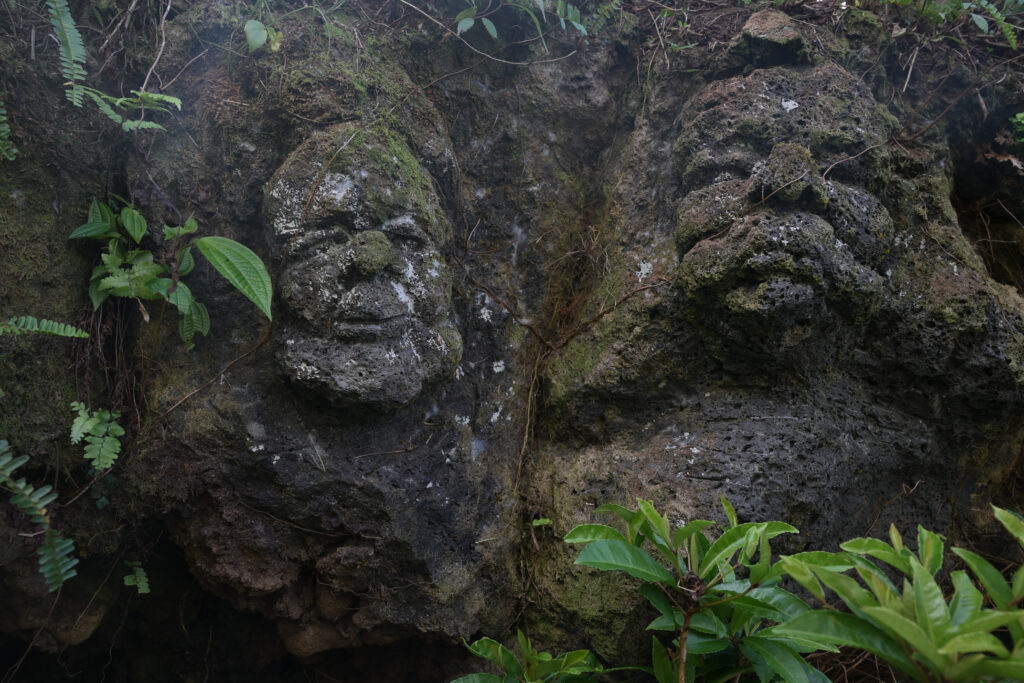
(682, 646)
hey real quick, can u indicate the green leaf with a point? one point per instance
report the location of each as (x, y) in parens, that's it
(618, 555)
(186, 262)
(133, 222)
(782, 659)
(995, 585)
(241, 267)
(730, 512)
(479, 678)
(255, 34)
(974, 642)
(466, 13)
(929, 548)
(658, 523)
(967, 599)
(623, 513)
(489, 25)
(908, 631)
(95, 230)
(585, 533)
(464, 25)
(732, 540)
(684, 532)
(847, 629)
(700, 644)
(980, 22)
(878, 549)
(932, 611)
(1011, 522)
(172, 232)
(664, 671)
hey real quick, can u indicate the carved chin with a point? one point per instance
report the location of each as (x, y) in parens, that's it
(384, 374)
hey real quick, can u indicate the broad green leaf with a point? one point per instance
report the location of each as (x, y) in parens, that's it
(781, 599)
(732, 540)
(932, 611)
(980, 22)
(782, 659)
(585, 533)
(847, 629)
(1018, 583)
(760, 570)
(1008, 669)
(836, 562)
(241, 267)
(133, 223)
(974, 642)
(617, 555)
(1011, 522)
(487, 648)
(911, 633)
(489, 25)
(884, 590)
(698, 545)
(880, 550)
(700, 644)
(995, 585)
(95, 230)
(186, 262)
(181, 297)
(466, 13)
(667, 622)
(658, 523)
(664, 671)
(966, 601)
(464, 25)
(989, 620)
(730, 512)
(895, 538)
(801, 572)
(623, 513)
(173, 232)
(929, 548)
(255, 34)
(848, 590)
(684, 532)
(658, 599)
(97, 295)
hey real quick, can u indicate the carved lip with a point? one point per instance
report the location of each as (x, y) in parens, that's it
(363, 329)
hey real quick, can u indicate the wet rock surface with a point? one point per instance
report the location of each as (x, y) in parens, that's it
(523, 292)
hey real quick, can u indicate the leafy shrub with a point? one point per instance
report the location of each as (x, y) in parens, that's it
(129, 270)
(535, 10)
(534, 667)
(916, 629)
(714, 595)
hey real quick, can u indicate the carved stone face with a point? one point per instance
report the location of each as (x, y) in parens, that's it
(366, 289)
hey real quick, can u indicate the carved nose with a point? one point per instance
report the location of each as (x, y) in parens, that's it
(371, 252)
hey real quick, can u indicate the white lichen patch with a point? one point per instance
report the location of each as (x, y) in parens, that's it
(498, 366)
(644, 270)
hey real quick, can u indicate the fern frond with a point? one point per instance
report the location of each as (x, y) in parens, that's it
(55, 561)
(101, 432)
(27, 323)
(137, 578)
(72, 49)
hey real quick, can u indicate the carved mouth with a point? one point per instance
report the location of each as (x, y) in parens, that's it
(368, 329)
